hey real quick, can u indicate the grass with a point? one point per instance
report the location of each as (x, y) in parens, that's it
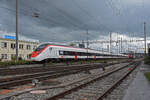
(147, 60)
(147, 75)
(85, 61)
(10, 63)
(24, 62)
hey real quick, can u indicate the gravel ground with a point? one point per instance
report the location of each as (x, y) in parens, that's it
(73, 77)
(92, 91)
(64, 79)
(119, 92)
(139, 89)
(54, 64)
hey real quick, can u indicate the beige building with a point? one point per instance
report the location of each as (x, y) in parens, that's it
(8, 49)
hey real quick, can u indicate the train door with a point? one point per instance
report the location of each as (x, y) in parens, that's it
(76, 56)
(55, 54)
(50, 52)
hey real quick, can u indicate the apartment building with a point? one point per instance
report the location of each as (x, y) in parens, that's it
(8, 48)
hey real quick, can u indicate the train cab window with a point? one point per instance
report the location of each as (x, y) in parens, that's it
(41, 47)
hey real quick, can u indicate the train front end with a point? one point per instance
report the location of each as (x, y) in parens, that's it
(39, 53)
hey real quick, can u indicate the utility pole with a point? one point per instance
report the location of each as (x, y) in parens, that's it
(110, 43)
(121, 44)
(118, 43)
(87, 42)
(145, 37)
(102, 48)
(16, 30)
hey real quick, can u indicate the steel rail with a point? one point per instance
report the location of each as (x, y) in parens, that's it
(61, 95)
(18, 71)
(35, 69)
(10, 82)
(107, 92)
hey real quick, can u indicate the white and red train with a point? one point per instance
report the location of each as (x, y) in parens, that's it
(47, 51)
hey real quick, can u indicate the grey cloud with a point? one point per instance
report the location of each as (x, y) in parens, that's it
(67, 20)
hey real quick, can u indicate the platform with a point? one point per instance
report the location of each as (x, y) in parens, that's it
(139, 89)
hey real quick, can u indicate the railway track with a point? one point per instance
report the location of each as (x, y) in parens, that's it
(98, 87)
(25, 79)
(27, 70)
(19, 71)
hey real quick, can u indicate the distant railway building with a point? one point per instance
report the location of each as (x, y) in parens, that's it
(8, 48)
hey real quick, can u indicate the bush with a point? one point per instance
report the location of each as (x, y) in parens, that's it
(147, 75)
(13, 58)
(13, 62)
(20, 58)
(147, 60)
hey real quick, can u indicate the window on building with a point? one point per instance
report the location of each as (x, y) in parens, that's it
(28, 56)
(20, 46)
(20, 56)
(4, 44)
(13, 45)
(34, 47)
(13, 56)
(3, 56)
(28, 47)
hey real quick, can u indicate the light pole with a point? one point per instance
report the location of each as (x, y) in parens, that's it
(87, 43)
(16, 30)
(145, 38)
(110, 43)
(36, 15)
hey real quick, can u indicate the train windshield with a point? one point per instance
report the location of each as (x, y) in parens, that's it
(41, 47)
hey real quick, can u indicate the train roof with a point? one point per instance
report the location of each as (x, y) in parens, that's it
(61, 45)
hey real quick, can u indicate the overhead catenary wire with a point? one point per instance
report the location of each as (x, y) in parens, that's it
(40, 18)
(50, 19)
(72, 21)
(25, 12)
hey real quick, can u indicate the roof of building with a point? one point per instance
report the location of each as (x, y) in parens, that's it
(8, 36)
(19, 40)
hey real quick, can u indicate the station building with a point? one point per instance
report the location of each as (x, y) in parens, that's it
(8, 48)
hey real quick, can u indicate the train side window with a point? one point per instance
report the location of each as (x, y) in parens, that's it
(61, 52)
(50, 49)
(79, 53)
(71, 53)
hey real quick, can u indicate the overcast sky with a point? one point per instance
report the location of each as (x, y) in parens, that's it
(68, 20)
